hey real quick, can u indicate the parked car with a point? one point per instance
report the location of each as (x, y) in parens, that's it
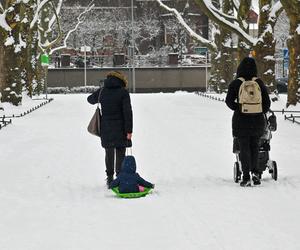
(281, 84)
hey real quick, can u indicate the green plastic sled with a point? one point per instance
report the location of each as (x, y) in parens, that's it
(131, 195)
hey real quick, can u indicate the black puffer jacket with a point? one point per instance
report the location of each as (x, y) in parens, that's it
(245, 124)
(116, 113)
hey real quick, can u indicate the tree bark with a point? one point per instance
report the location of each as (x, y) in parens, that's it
(12, 91)
(243, 48)
(2, 66)
(265, 48)
(3, 34)
(29, 52)
(294, 62)
(292, 9)
(223, 63)
(227, 61)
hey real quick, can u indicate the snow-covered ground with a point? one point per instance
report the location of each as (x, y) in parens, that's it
(52, 192)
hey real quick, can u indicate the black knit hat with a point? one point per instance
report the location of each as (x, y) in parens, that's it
(247, 68)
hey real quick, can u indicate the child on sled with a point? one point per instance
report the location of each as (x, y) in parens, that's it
(128, 181)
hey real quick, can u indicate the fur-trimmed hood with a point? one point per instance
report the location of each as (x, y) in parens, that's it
(119, 76)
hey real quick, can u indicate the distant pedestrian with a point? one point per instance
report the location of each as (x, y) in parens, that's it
(248, 127)
(116, 121)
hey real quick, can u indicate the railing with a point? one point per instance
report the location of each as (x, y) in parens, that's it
(150, 60)
(290, 115)
(7, 119)
(293, 118)
(4, 122)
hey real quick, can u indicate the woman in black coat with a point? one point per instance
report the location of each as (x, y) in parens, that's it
(116, 121)
(248, 128)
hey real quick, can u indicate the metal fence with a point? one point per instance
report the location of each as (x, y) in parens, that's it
(150, 60)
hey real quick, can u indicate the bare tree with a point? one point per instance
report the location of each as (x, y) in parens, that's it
(19, 30)
(237, 24)
(26, 29)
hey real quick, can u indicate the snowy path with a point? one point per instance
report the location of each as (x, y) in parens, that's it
(52, 193)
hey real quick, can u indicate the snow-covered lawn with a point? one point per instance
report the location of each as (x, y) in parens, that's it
(52, 192)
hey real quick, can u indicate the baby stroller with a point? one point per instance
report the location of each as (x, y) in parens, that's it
(264, 161)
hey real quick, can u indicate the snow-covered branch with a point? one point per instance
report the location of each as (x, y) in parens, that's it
(192, 33)
(236, 5)
(50, 44)
(276, 10)
(213, 13)
(80, 20)
(57, 11)
(36, 16)
(208, 9)
(220, 13)
(1, 8)
(3, 23)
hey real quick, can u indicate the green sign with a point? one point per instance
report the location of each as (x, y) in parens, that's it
(200, 50)
(45, 60)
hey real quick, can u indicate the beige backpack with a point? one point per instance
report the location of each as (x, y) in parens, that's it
(250, 96)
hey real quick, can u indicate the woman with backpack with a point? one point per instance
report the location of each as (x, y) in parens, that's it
(248, 97)
(116, 121)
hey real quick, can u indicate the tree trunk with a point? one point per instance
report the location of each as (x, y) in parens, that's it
(215, 79)
(243, 48)
(223, 62)
(264, 50)
(2, 67)
(3, 35)
(227, 61)
(292, 9)
(215, 76)
(45, 36)
(29, 52)
(12, 90)
(294, 61)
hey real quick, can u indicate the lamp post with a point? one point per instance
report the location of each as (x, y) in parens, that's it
(133, 47)
(85, 49)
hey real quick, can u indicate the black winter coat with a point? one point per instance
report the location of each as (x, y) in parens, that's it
(128, 180)
(246, 124)
(116, 109)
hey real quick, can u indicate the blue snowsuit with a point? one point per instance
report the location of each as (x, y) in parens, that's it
(128, 180)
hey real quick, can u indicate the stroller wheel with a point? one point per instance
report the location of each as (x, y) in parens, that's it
(236, 172)
(274, 173)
